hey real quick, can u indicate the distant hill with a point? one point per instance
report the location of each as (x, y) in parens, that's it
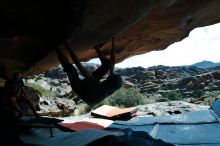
(206, 64)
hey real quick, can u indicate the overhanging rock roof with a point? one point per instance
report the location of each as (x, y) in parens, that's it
(31, 30)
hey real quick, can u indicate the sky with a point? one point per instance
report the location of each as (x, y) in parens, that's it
(202, 44)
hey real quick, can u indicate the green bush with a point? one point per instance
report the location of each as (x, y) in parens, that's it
(173, 95)
(40, 89)
(125, 97)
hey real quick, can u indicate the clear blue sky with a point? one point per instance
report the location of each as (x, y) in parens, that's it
(202, 44)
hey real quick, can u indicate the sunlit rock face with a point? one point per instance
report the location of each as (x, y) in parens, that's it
(31, 30)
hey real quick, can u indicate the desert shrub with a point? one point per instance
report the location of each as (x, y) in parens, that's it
(173, 95)
(40, 89)
(125, 97)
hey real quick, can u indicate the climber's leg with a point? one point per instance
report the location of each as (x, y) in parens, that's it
(68, 68)
(83, 70)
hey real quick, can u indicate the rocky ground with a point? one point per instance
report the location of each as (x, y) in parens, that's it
(156, 109)
(168, 108)
(53, 96)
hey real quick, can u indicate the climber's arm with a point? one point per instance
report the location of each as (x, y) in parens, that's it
(105, 65)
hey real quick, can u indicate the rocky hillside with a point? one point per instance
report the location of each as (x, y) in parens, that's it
(157, 83)
(206, 64)
(182, 82)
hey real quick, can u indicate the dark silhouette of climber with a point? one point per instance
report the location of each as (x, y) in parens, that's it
(91, 89)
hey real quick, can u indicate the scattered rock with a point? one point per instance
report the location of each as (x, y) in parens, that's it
(168, 108)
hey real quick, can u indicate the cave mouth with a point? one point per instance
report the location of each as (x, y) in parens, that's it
(196, 51)
(172, 74)
(140, 26)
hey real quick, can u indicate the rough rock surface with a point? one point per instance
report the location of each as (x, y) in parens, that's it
(31, 30)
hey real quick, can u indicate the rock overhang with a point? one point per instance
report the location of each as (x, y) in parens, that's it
(30, 31)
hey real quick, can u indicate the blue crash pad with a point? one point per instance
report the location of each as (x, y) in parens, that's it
(194, 128)
(190, 134)
(189, 118)
(216, 107)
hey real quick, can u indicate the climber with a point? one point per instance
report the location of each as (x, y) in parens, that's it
(91, 89)
(14, 89)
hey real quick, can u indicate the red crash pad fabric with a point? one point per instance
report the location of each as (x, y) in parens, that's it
(78, 126)
(114, 113)
(90, 123)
